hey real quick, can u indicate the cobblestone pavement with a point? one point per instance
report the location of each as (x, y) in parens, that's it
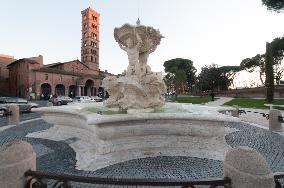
(58, 157)
(23, 117)
(3, 121)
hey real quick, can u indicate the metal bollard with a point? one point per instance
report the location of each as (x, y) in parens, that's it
(274, 123)
(14, 117)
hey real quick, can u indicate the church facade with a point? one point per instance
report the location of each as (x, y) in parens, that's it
(30, 78)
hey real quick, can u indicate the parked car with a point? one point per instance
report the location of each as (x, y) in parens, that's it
(3, 110)
(96, 99)
(60, 100)
(82, 99)
(24, 105)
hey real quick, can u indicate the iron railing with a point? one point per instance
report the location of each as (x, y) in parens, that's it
(278, 177)
(39, 180)
(261, 113)
(280, 118)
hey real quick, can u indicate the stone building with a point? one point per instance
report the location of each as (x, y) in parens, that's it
(4, 73)
(30, 78)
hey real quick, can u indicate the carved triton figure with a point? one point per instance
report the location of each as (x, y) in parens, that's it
(132, 52)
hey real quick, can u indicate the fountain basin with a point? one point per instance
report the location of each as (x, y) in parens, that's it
(109, 139)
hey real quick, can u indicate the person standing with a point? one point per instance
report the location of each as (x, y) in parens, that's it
(212, 94)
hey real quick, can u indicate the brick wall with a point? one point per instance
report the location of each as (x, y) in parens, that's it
(258, 92)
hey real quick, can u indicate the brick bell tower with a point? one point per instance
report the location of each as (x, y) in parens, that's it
(90, 38)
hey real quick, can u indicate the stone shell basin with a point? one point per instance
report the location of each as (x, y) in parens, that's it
(150, 36)
(103, 140)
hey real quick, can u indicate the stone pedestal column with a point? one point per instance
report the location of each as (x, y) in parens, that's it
(78, 90)
(15, 160)
(247, 169)
(235, 113)
(14, 118)
(274, 124)
(66, 93)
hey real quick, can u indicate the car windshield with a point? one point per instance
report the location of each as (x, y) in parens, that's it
(11, 100)
(2, 100)
(22, 100)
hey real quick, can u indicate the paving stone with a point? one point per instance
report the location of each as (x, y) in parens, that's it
(59, 157)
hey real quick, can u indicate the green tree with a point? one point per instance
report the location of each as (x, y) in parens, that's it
(213, 77)
(269, 81)
(255, 64)
(277, 46)
(274, 5)
(180, 74)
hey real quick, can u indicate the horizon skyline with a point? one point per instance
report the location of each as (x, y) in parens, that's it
(224, 34)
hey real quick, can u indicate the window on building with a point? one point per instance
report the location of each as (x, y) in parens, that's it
(95, 60)
(85, 35)
(85, 43)
(46, 76)
(86, 26)
(92, 44)
(72, 78)
(91, 58)
(94, 18)
(95, 44)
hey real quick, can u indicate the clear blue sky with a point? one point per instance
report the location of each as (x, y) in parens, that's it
(206, 31)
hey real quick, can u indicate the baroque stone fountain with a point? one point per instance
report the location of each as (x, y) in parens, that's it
(173, 130)
(138, 87)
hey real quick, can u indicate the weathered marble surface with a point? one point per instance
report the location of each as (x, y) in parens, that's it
(138, 87)
(15, 159)
(247, 169)
(109, 139)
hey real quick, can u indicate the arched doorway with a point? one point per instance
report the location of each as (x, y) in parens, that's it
(45, 91)
(101, 92)
(60, 90)
(72, 91)
(88, 90)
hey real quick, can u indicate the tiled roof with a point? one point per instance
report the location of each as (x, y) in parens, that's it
(23, 60)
